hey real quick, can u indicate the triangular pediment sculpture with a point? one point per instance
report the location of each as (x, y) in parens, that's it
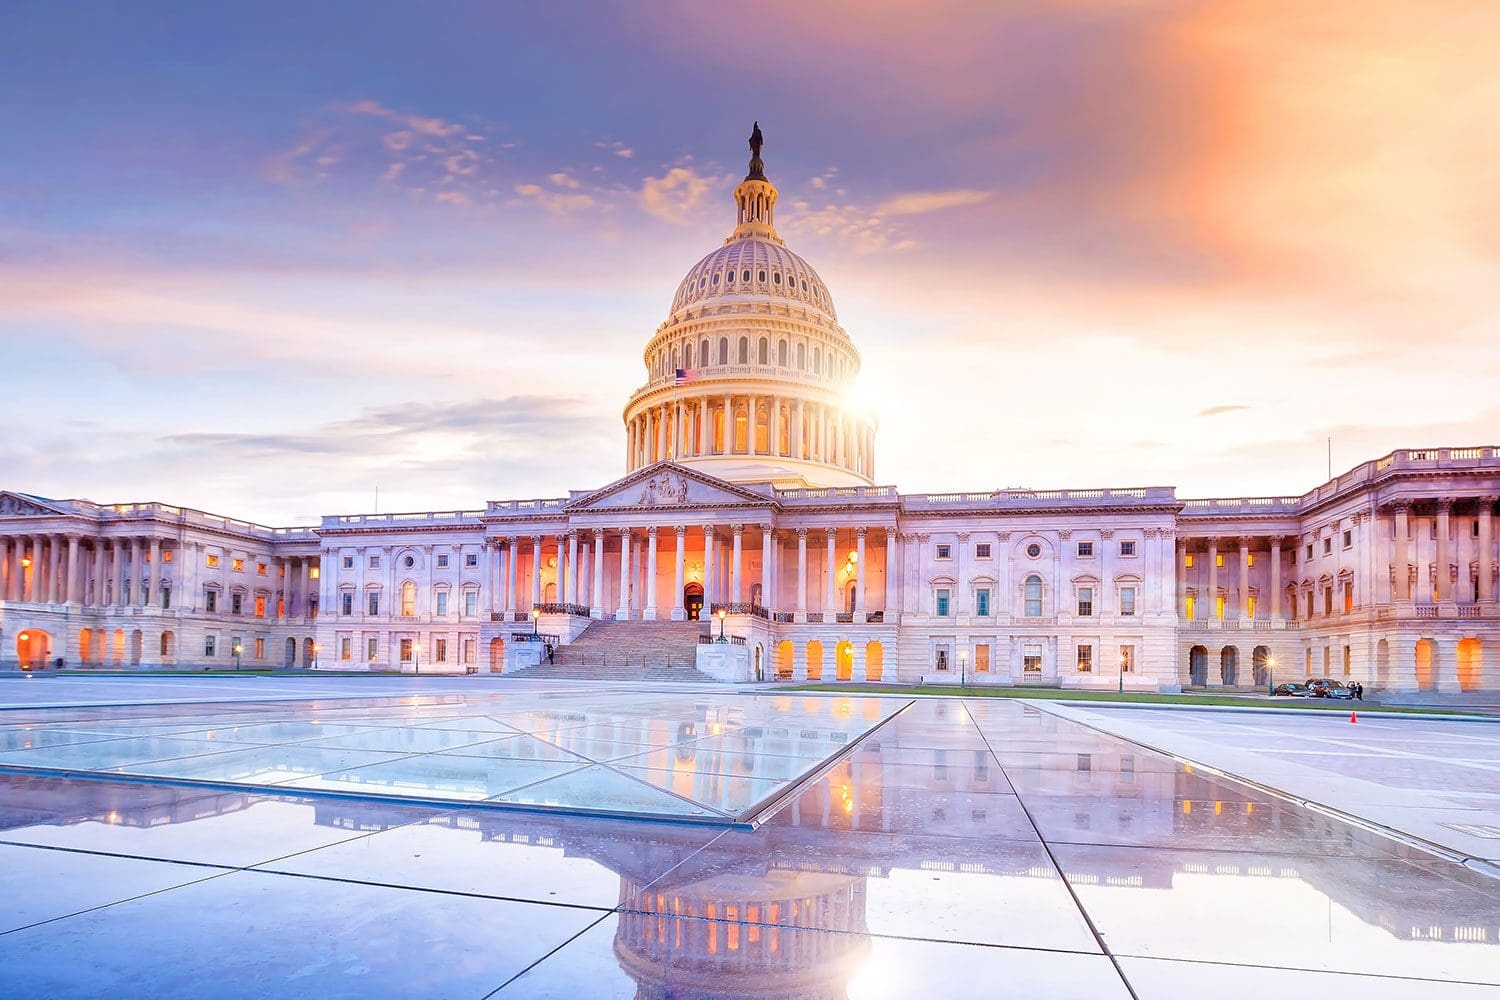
(21, 505)
(667, 484)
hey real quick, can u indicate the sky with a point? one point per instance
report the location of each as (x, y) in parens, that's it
(267, 259)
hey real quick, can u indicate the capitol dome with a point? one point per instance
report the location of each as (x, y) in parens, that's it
(750, 376)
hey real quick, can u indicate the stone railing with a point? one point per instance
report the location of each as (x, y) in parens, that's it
(815, 618)
(1020, 499)
(706, 639)
(742, 608)
(549, 506)
(838, 493)
(439, 518)
(554, 608)
(1470, 611)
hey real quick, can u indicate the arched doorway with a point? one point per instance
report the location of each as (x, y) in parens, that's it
(844, 663)
(1382, 663)
(168, 647)
(1260, 661)
(137, 646)
(692, 600)
(784, 659)
(86, 643)
(874, 661)
(309, 648)
(117, 654)
(289, 657)
(1198, 666)
(1470, 664)
(497, 655)
(1426, 665)
(849, 597)
(33, 647)
(815, 660)
(1229, 666)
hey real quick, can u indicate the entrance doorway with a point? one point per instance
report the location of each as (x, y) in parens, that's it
(32, 647)
(692, 599)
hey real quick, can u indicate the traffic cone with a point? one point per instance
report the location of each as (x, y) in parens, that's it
(1353, 717)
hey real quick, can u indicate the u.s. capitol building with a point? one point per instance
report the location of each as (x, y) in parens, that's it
(750, 486)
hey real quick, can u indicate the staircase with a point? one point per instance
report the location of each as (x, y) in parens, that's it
(627, 651)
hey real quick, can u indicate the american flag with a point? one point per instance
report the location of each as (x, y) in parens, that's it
(686, 375)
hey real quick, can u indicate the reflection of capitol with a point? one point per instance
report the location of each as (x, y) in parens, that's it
(739, 917)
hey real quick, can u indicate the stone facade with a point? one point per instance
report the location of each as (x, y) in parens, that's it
(749, 488)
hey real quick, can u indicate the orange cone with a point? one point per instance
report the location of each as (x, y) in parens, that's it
(1353, 717)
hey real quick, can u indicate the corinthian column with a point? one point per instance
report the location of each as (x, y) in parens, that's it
(736, 594)
(74, 594)
(679, 612)
(596, 595)
(623, 612)
(649, 613)
(801, 612)
(831, 599)
(859, 573)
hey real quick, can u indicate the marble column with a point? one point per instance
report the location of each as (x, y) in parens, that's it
(622, 613)
(536, 570)
(859, 575)
(573, 575)
(891, 590)
(306, 609)
(513, 568)
(679, 611)
(831, 598)
(1444, 553)
(649, 611)
(55, 593)
(767, 593)
(596, 598)
(1403, 552)
(96, 588)
(801, 611)
(708, 568)
(74, 593)
(736, 578)
(1486, 554)
(1276, 577)
(1213, 578)
(1244, 596)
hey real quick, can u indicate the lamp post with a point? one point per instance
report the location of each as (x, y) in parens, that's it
(1271, 676)
(722, 615)
(1122, 671)
(536, 614)
(315, 656)
(416, 656)
(238, 649)
(963, 668)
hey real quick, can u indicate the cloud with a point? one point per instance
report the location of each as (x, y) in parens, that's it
(436, 127)
(675, 195)
(619, 149)
(922, 202)
(1214, 411)
(555, 202)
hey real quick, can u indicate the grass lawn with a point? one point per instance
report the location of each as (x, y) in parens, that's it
(1133, 697)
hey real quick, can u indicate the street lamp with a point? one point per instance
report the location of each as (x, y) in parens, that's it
(536, 613)
(315, 656)
(1271, 676)
(1123, 658)
(963, 668)
(416, 657)
(722, 615)
(238, 649)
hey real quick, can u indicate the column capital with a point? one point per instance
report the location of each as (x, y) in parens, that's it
(738, 529)
(962, 536)
(1213, 541)
(1106, 533)
(923, 537)
(1244, 540)
(1064, 533)
(802, 531)
(767, 527)
(624, 532)
(651, 532)
(536, 539)
(1443, 505)
(680, 529)
(832, 533)
(1399, 506)
(598, 534)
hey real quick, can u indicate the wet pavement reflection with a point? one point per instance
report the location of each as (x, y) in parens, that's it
(956, 850)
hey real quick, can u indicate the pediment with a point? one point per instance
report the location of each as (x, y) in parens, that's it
(22, 505)
(667, 484)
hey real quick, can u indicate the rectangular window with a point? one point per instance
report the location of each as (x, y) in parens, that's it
(209, 642)
(1086, 659)
(942, 603)
(314, 572)
(374, 562)
(1309, 551)
(1327, 546)
(442, 561)
(471, 603)
(346, 648)
(945, 551)
(982, 550)
(211, 600)
(982, 602)
(981, 658)
(238, 565)
(1086, 551)
(166, 555)
(1187, 560)
(1309, 604)
(1251, 608)
(1127, 659)
(440, 650)
(1219, 559)
(1348, 596)
(346, 604)
(213, 561)
(1192, 607)
(260, 605)
(236, 604)
(442, 602)
(1085, 602)
(374, 605)
(372, 649)
(1031, 659)
(260, 649)
(1127, 601)
(1250, 559)
(260, 569)
(1127, 548)
(348, 562)
(1328, 601)
(1348, 539)
(166, 598)
(471, 559)
(1219, 603)
(468, 651)
(406, 646)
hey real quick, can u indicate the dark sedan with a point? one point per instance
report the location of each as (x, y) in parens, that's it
(1322, 687)
(1293, 689)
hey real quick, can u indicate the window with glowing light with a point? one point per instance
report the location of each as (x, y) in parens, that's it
(408, 599)
(406, 649)
(212, 561)
(372, 649)
(1085, 659)
(1031, 658)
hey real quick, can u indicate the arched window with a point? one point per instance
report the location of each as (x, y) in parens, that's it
(817, 360)
(723, 350)
(408, 599)
(746, 275)
(687, 355)
(730, 276)
(781, 353)
(765, 351)
(761, 277)
(801, 356)
(744, 350)
(703, 351)
(1033, 596)
(675, 365)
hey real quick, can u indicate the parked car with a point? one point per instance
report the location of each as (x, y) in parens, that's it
(1323, 687)
(1292, 689)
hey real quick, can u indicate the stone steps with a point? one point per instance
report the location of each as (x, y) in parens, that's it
(627, 651)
